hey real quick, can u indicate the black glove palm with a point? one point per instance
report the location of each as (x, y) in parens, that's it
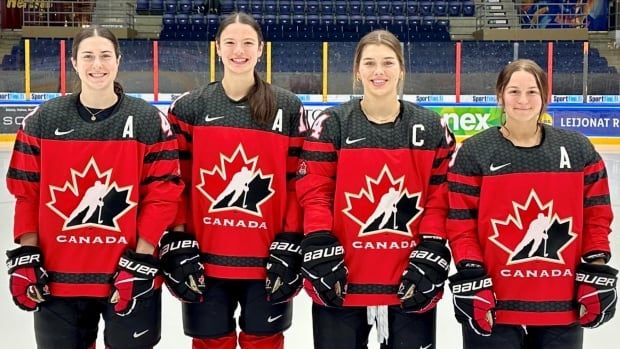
(133, 281)
(181, 266)
(474, 301)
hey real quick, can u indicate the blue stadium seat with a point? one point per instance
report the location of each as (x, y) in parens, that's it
(170, 6)
(414, 21)
(398, 8)
(385, 20)
(440, 8)
(355, 7)
(368, 8)
(341, 8)
(168, 19)
(185, 7)
(243, 6)
(270, 7)
(212, 20)
(426, 8)
(142, 8)
(312, 7)
(300, 19)
(198, 20)
(371, 20)
(454, 8)
(327, 20)
(413, 8)
(383, 8)
(326, 7)
(356, 20)
(269, 19)
(284, 7)
(400, 20)
(156, 7)
(227, 6)
(313, 20)
(469, 8)
(342, 19)
(199, 6)
(299, 7)
(256, 7)
(428, 23)
(284, 19)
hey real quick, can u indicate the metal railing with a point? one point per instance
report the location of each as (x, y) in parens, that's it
(81, 13)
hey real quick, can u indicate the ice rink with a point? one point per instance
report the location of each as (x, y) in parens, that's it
(16, 331)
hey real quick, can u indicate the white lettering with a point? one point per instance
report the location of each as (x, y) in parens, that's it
(107, 240)
(229, 222)
(383, 245)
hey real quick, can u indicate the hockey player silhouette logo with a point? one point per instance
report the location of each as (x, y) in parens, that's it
(533, 232)
(91, 199)
(383, 206)
(236, 183)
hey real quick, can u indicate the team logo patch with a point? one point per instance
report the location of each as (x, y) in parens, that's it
(383, 206)
(91, 199)
(533, 232)
(236, 184)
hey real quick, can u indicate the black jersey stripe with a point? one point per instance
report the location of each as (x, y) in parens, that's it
(319, 156)
(185, 155)
(294, 151)
(593, 177)
(80, 278)
(233, 261)
(438, 179)
(29, 176)
(463, 189)
(536, 307)
(462, 214)
(371, 289)
(177, 130)
(165, 178)
(26, 148)
(161, 155)
(596, 201)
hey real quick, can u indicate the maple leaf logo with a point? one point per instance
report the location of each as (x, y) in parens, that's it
(533, 232)
(88, 199)
(236, 184)
(383, 206)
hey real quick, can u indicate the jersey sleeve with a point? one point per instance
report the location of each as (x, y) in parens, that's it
(436, 207)
(23, 177)
(597, 210)
(464, 179)
(317, 172)
(293, 216)
(161, 185)
(183, 131)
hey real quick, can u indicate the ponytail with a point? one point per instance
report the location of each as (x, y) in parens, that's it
(262, 101)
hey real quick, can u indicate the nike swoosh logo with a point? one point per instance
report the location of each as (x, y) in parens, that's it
(209, 119)
(495, 168)
(138, 334)
(58, 132)
(426, 347)
(351, 141)
(272, 319)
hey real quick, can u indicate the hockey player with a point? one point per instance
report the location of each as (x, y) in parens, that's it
(374, 195)
(96, 178)
(239, 140)
(528, 225)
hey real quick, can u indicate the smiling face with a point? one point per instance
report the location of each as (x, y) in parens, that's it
(522, 99)
(96, 63)
(379, 70)
(239, 48)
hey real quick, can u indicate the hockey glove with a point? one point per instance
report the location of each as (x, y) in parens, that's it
(181, 266)
(474, 301)
(27, 278)
(596, 293)
(133, 281)
(283, 275)
(421, 285)
(323, 265)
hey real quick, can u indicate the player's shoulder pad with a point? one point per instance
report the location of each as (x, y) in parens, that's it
(192, 103)
(49, 111)
(573, 142)
(150, 124)
(429, 119)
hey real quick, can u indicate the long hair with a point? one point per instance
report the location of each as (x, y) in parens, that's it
(89, 32)
(261, 98)
(528, 66)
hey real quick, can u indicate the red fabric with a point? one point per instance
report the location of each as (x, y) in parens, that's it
(228, 341)
(248, 341)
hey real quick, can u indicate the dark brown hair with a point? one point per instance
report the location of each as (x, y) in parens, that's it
(261, 98)
(89, 32)
(528, 66)
(379, 37)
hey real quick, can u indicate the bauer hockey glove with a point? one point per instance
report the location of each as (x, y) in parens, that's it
(421, 285)
(323, 265)
(27, 278)
(180, 263)
(134, 280)
(283, 275)
(596, 293)
(473, 298)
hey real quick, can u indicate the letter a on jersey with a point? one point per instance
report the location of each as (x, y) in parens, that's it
(236, 183)
(90, 198)
(383, 206)
(533, 232)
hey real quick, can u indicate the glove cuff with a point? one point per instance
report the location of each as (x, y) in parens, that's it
(175, 242)
(24, 256)
(591, 268)
(139, 264)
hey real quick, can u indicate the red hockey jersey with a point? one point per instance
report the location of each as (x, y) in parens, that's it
(376, 188)
(240, 176)
(529, 214)
(90, 189)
